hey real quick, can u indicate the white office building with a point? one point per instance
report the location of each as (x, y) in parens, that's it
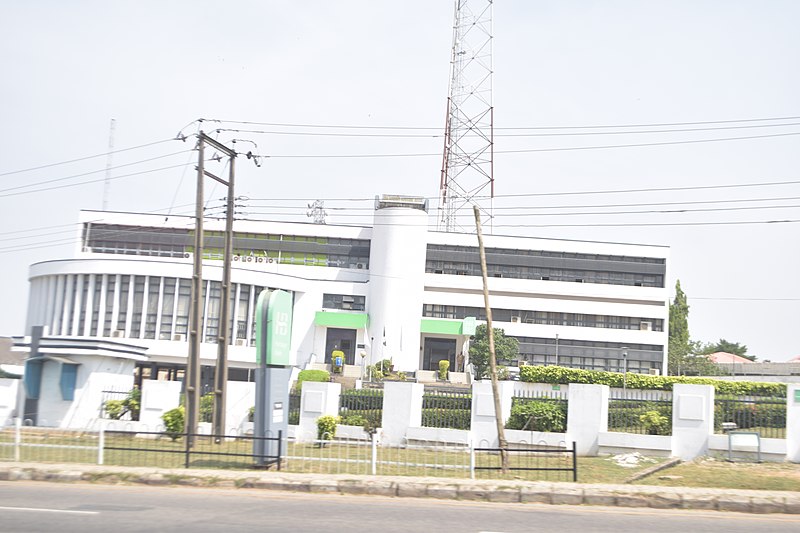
(393, 290)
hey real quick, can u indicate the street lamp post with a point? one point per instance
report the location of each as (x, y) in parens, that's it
(624, 368)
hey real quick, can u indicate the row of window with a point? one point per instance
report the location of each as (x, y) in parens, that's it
(545, 317)
(177, 243)
(143, 307)
(591, 355)
(543, 273)
(549, 253)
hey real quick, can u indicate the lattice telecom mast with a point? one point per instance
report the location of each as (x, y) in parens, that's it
(467, 173)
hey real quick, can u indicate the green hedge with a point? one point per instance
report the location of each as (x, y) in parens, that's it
(441, 401)
(446, 418)
(312, 375)
(533, 415)
(749, 415)
(564, 376)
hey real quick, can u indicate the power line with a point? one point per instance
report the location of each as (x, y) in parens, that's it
(529, 150)
(439, 136)
(93, 181)
(595, 126)
(55, 180)
(104, 154)
(733, 299)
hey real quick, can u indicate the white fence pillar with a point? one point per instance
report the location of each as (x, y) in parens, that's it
(793, 422)
(484, 425)
(402, 409)
(692, 420)
(158, 397)
(317, 399)
(587, 417)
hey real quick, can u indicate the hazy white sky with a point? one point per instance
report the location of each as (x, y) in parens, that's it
(68, 68)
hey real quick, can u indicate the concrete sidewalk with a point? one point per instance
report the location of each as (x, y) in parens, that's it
(744, 501)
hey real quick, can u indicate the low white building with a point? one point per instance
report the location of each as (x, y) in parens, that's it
(393, 290)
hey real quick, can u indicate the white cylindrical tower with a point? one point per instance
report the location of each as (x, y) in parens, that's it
(396, 284)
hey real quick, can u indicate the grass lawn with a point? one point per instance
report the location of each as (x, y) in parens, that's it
(717, 473)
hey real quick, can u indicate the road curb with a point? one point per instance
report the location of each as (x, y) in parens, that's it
(553, 493)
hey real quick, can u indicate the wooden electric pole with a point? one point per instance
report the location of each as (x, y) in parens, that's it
(193, 371)
(501, 434)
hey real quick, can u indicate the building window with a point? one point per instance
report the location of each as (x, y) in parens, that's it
(347, 302)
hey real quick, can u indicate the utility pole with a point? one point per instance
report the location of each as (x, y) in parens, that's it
(223, 335)
(195, 316)
(501, 434)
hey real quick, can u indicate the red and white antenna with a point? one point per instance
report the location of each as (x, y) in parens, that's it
(467, 164)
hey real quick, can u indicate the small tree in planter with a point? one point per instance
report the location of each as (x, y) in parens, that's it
(444, 368)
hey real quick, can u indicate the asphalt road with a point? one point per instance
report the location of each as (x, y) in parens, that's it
(36, 506)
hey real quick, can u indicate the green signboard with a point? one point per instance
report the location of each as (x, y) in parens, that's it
(273, 328)
(797, 396)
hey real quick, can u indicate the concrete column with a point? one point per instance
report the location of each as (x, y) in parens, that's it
(587, 417)
(692, 420)
(793, 422)
(484, 426)
(317, 399)
(402, 409)
(158, 397)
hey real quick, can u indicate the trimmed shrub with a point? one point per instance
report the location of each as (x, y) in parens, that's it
(354, 420)
(115, 409)
(655, 423)
(174, 422)
(563, 376)
(326, 427)
(320, 376)
(538, 416)
(444, 367)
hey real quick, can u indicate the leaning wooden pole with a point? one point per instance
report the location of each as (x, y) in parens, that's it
(498, 416)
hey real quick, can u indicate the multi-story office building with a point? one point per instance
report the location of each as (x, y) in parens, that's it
(393, 290)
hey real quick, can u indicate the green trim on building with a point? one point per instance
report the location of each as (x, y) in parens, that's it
(341, 320)
(440, 326)
(443, 326)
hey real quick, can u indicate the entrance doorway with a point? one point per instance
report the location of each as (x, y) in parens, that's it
(341, 339)
(436, 350)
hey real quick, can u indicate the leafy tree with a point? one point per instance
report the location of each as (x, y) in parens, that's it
(728, 347)
(506, 349)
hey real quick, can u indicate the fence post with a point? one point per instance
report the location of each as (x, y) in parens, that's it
(587, 416)
(188, 448)
(17, 437)
(471, 459)
(280, 447)
(374, 453)
(101, 444)
(317, 399)
(574, 462)
(793, 422)
(692, 419)
(402, 409)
